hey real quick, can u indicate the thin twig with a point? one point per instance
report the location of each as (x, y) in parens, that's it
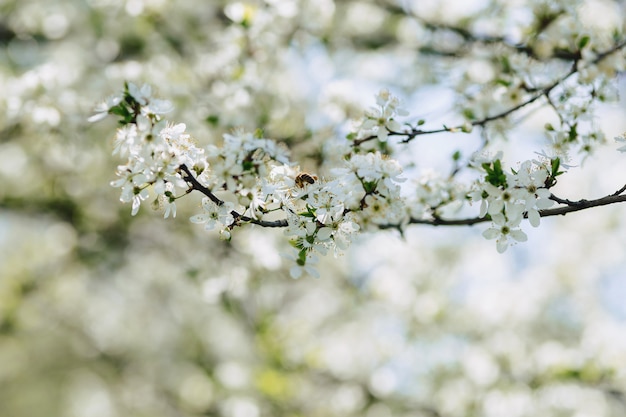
(544, 92)
(239, 218)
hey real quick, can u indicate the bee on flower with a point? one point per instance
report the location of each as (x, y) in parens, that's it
(304, 178)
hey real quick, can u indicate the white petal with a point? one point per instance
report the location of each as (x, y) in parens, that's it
(97, 117)
(534, 218)
(483, 208)
(544, 203)
(491, 233)
(324, 234)
(393, 125)
(495, 207)
(312, 271)
(519, 235)
(295, 272)
(136, 204)
(498, 219)
(161, 106)
(514, 214)
(198, 218)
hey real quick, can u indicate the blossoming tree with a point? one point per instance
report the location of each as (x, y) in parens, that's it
(359, 187)
(416, 138)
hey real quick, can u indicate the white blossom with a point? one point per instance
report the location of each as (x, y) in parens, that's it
(214, 215)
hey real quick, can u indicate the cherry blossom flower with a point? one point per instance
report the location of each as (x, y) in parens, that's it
(214, 215)
(380, 120)
(506, 230)
(102, 108)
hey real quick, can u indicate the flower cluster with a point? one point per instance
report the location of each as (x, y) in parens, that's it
(373, 181)
(250, 179)
(436, 196)
(155, 149)
(381, 120)
(508, 197)
(326, 214)
(254, 179)
(317, 217)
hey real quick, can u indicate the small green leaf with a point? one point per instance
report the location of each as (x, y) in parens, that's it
(583, 42)
(495, 175)
(247, 165)
(369, 186)
(556, 163)
(213, 120)
(469, 114)
(573, 132)
(506, 64)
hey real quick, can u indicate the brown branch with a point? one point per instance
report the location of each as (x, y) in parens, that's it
(239, 218)
(569, 207)
(620, 191)
(582, 205)
(195, 185)
(413, 133)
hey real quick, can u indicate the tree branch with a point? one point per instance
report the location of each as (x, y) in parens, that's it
(544, 92)
(239, 218)
(569, 207)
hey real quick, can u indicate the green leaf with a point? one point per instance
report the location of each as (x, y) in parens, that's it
(213, 120)
(495, 175)
(556, 163)
(119, 110)
(469, 114)
(247, 166)
(369, 186)
(583, 41)
(506, 64)
(573, 132)
(307, 214)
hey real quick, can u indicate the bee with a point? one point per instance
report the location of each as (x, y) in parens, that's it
(304, 178)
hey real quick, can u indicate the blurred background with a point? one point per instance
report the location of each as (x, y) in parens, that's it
(106, 315)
